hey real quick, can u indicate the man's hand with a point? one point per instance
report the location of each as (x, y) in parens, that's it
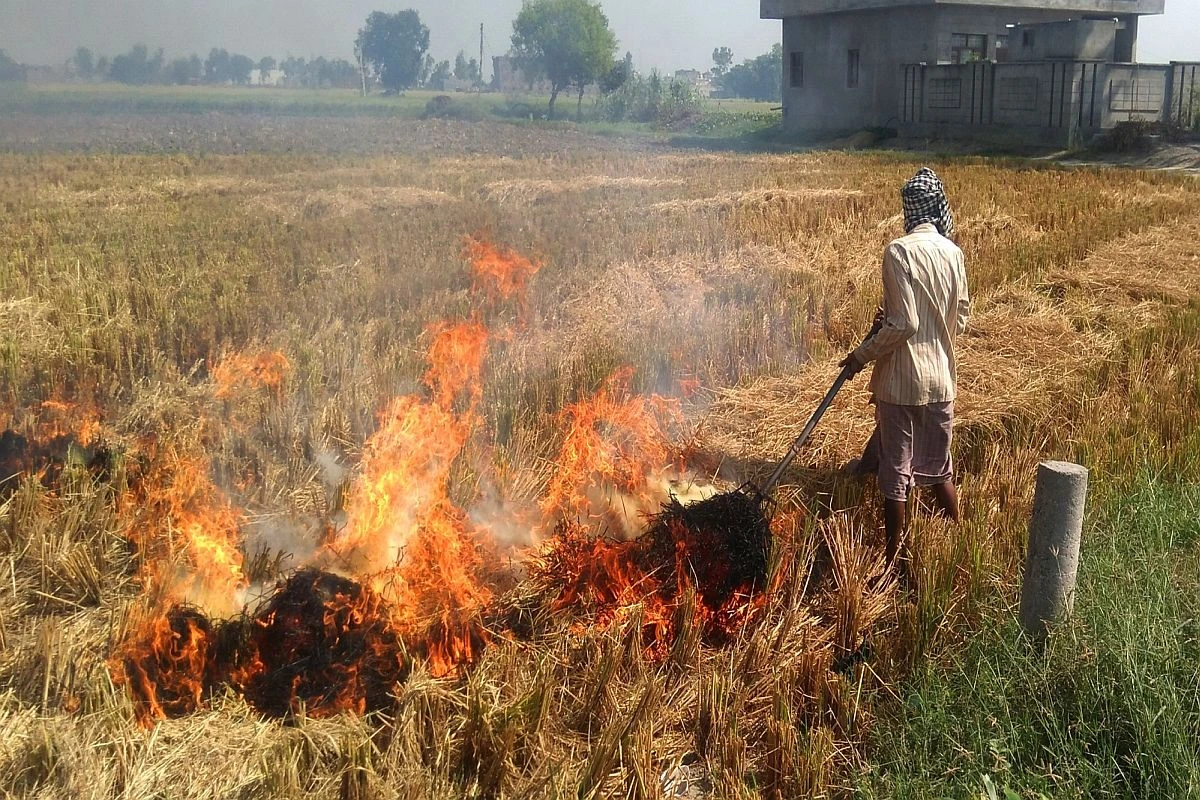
(851, 365)
(877, 322)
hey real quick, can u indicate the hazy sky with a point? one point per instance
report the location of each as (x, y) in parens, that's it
(667, 34)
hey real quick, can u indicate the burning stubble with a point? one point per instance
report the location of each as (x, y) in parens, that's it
(409, 576)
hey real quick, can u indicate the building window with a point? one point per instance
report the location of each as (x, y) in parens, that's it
(968, 47)
(851, 69)
(945, 93)
(796, 72)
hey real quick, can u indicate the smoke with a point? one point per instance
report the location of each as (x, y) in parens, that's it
(333, 472)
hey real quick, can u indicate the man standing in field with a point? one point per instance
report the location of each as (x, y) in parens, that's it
(925, 307)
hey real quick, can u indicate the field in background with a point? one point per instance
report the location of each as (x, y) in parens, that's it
(715, 114)
(125, 277)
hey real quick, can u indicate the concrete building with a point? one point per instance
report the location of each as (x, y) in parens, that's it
(274, 77)
(701, 82)
(847, 63)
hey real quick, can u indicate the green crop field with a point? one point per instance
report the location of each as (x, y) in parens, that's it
(450, 368)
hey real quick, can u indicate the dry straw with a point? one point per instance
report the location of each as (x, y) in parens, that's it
(752, 275)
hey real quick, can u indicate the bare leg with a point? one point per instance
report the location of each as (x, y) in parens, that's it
(894, 517)
(946, 498)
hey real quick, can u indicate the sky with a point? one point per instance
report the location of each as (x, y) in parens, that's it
(663, 34)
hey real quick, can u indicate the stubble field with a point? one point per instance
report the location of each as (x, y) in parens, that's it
(441, 359)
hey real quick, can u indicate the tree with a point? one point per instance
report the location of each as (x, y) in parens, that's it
(439, 76)
(394, 45)
(568, 42)
(84, 62)
(185, 71)
(466, 69)
(240, 67)
(102, 66)
(136, 67)
(338, 72)
(10, 70)
(759, 78)
(216, 66)
(266, 65)
(618, 76)
(293, 69)
(722, 57)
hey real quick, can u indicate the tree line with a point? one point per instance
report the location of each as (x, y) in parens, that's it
(759, 78)
(139, 67)
(564, 46)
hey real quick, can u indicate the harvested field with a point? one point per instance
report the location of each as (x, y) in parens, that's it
(369, 416)
(231, 133)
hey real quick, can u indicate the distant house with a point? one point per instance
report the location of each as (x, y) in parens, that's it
(697, 80)
(1065, 66)
(274, 77)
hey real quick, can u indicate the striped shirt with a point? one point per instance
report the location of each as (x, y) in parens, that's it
(925, 304)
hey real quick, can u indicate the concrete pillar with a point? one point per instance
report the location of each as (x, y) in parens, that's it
(1052, 560)
(1126, 44)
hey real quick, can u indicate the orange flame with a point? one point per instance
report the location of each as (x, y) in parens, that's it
(62, 418)
(419, 564)
(245, 372)
(657, 573)
(340, 634)
(165, 664)
(614, 440)
(501, 273)
(176, 505)
(456, 362)
(403, 530)
(405, 469)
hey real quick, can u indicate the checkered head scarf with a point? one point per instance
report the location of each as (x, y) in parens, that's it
(924, 200)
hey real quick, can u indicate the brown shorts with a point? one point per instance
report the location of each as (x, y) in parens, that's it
(914, 446)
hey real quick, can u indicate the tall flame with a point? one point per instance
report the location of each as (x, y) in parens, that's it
(403, 529)
(616, 443)
(456, 363)
(174, 507)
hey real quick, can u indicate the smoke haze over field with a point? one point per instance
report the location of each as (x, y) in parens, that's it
(668, 34)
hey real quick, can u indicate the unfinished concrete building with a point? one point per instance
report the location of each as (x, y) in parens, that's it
(953, 65)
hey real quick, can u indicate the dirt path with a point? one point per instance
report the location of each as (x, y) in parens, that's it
(1181, 157)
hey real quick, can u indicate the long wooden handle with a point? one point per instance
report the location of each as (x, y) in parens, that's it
(802, 439)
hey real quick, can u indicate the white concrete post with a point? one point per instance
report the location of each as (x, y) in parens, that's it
(1052, 560)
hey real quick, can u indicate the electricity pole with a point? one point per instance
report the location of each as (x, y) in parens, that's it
(481, 55)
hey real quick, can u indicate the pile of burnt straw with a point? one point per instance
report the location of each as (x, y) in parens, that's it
(326, 644)
(321, 642)
(719, 547)
(20, 455)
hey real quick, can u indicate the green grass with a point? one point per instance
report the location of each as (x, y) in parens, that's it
(119, 98)
(720, 118)
(1112, 709)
